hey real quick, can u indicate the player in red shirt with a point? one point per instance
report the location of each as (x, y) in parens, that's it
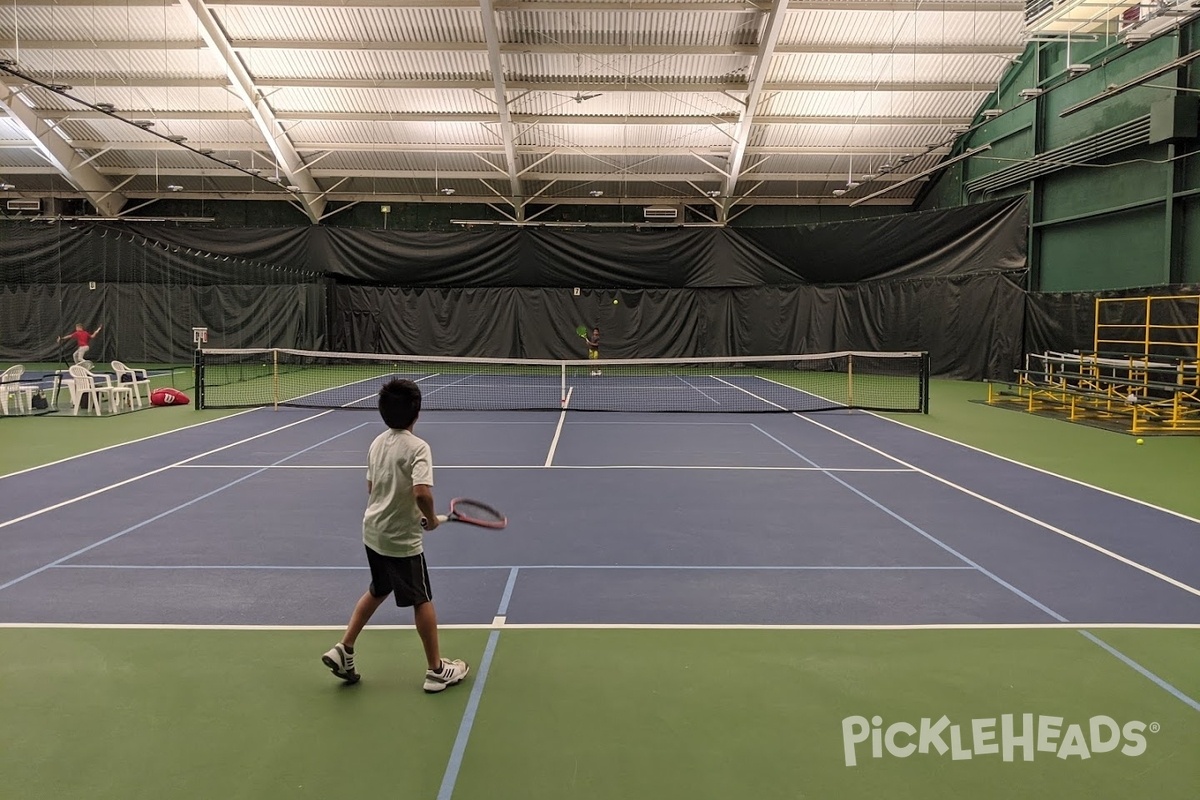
(82, 339)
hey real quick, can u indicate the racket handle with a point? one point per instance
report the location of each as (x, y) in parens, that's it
(440, 518)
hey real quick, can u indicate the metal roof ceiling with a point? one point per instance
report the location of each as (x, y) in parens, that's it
(698, 101)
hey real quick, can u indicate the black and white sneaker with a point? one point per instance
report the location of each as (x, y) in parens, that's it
(452, 672)
(341, 663)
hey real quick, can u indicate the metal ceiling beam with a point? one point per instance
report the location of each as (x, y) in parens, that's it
(376, 197)
(847, 48)
(419, 116)
(507, 134)
(60, 155)
(758, 76)
(496, 149)
(614, 86)
(260, 111)
(475, 175)
(1015, 6)
(611, 86)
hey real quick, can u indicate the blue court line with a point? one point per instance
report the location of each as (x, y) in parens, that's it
(1041, 606)
(460, 567)
(1162, 684)
(450, 778)
(179, 507)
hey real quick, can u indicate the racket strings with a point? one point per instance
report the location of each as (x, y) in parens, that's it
(477, 511)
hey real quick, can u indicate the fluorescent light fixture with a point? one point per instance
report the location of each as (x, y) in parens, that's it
(596, 193)
(174, 187)
(449, 190)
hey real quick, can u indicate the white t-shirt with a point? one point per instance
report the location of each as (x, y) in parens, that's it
(396, 461)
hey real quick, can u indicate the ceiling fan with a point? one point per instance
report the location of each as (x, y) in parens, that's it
(578, 97)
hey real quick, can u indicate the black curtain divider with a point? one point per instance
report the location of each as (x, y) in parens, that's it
(156, 321)
(1065, 321)
(970, 324)
(946, 281)
(990, 237)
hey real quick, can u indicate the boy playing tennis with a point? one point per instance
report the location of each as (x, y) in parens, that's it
(83, 340)
(593, 344)
(400, 503)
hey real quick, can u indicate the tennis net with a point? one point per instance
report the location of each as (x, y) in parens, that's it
(234, 378)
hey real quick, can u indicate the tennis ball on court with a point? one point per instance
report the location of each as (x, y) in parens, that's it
(1141, 441)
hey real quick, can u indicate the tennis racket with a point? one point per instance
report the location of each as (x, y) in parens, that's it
(582, 331)
(472, 512)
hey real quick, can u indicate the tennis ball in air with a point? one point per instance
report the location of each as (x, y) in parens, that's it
(615, 302)
(1141, 441)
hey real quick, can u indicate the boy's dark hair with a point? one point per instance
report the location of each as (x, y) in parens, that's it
(399, 403)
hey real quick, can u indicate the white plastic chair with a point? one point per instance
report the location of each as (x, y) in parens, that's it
(84, 383)
(11, 387)
(136, 379)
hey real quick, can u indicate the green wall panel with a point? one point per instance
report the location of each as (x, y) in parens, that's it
(1111, 112)
(1073, 192)
(1111, 252)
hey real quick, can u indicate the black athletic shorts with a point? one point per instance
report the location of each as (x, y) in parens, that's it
(406, 577)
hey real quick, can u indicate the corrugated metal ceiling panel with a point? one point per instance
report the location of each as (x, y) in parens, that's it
(382, 101)
(600, 102)
(588, 68)
(366, 65)
(682, 136)
(74, 66)
(629, 27)
(901, 28)
(871, 104)
(389, 134)
(114, 22)
(897, 68)
(351, 24)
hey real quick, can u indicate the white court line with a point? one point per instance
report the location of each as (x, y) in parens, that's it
(131, 441)
(752, 394)
(1075, 481)
(562, 417)
(698, 389)
(118, 484)
(997, 504)
(734, 468)
(621, 626)
(1019, 514)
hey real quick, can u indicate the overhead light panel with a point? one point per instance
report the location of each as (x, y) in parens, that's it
(107, 108)
(448, 190)
(992, 113)
(596, 193)
(1029, 94)
(174, 187)
(838, 192)
(177, 139)
(6, 187)
(713, 193)
(144, 124)
(1078, 69)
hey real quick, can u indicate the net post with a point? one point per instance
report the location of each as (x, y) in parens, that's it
(925, 382)
(198, 378)
(275, 378)
(850, 380)
(562, 384)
